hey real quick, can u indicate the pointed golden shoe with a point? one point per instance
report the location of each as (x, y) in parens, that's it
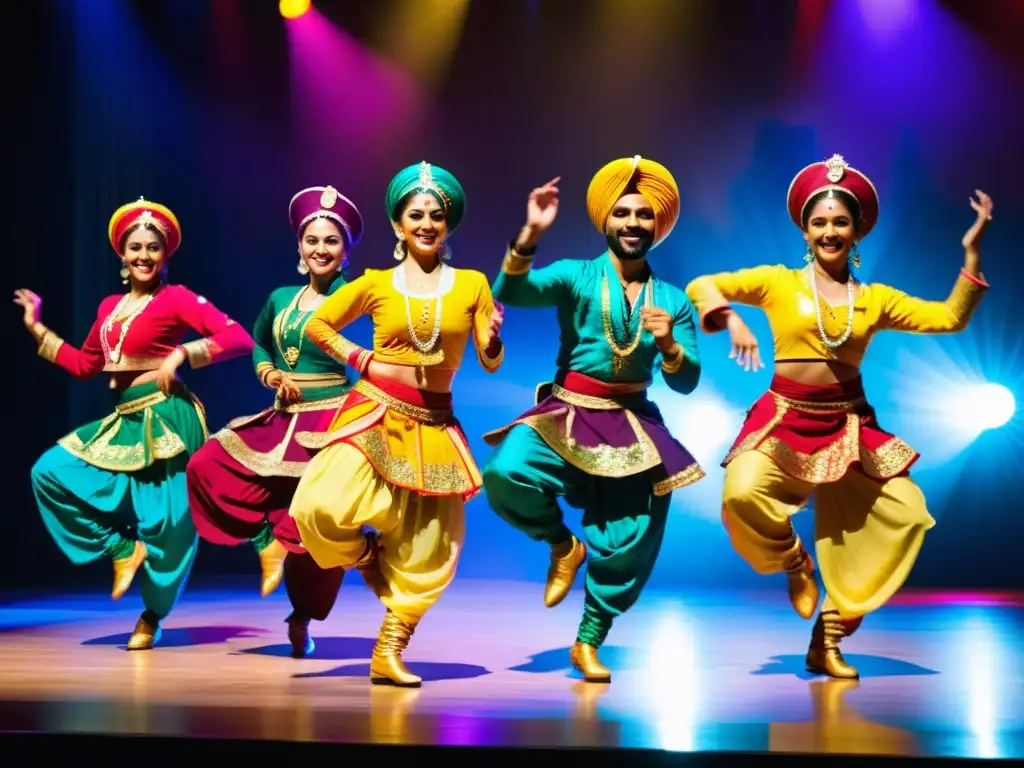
(386, 665)
(803, 588)
(823, 654)
(125, 569)
(562, 573)
(584, 658)
(144, 636)
(272, 566)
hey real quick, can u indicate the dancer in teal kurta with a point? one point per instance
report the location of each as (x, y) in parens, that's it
(595, 438)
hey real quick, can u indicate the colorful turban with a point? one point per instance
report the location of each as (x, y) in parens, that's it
(144, 212)
(833, 173)
(326, 203)
(651, 179)
(435, 181)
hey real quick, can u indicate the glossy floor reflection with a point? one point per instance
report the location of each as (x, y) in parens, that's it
(942, 674)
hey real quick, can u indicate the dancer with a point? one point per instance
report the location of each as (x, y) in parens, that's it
(133, 461)
(594, 437)
(813, 431)
(394, 458)
(241, 482)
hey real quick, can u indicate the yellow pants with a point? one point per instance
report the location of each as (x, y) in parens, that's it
(421, 536)
(867, 533)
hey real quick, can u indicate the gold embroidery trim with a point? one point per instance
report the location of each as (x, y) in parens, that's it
(680, 479)
(199, 353)
(139, 403)
(592, 402)
(415, 412)
(49, 346)
(492, 363)
(516, 264)
(128, 363)
(338, 347)
(99, 452)
(830, 463)
(599, 460)
(440, 479)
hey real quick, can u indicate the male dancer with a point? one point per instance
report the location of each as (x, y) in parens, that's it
(594, 438)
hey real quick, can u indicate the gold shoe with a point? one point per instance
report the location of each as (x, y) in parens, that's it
(125, 569)
(803, 588)
(823, 655)
(386, 665)
(272, 565)
(144, 636)
(584, 658)
(562, 573)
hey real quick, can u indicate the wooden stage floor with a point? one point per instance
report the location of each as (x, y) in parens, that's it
(942, 674)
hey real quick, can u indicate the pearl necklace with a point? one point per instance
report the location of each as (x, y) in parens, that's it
(425, 347)
(827, 340)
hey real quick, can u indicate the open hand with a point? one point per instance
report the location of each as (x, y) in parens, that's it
(983, 207)
(744, 345)
(542, 207)
(31, 306)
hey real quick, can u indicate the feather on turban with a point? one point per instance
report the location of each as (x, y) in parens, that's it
(651, 179)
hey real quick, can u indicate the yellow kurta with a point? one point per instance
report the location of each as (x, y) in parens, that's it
(394, 459)
(868, 533)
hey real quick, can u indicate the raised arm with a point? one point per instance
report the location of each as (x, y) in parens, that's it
(223, 338)
(712, 294)
(490, 350)
(681, 366)
(263, 338)
(81, 363)
(342, 307)
(519, 285)
(901, 312)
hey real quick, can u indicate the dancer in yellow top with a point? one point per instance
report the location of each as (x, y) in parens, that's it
(813, 431)
(393, 457)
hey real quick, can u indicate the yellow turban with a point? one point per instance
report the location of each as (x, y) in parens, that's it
(651, 179)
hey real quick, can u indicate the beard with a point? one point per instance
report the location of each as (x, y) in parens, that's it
(630, 253)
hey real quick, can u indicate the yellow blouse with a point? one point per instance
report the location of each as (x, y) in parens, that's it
(787, 299)
(463, 298)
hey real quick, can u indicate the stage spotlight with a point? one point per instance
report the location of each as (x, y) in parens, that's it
(292, 9)
(992, 405)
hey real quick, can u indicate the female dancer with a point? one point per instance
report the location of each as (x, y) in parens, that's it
(133, 461)
(813, 430)
(394, 457)
(241, 483)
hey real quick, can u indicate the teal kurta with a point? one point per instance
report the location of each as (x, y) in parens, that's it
(574, 288)
(623, 518)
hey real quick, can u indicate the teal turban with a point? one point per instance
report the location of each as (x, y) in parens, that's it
(432, 180)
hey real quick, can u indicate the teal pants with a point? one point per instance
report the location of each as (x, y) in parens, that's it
(81, 506)
(623, 521)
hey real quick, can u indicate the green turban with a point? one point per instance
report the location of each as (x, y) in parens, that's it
(432, 180)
